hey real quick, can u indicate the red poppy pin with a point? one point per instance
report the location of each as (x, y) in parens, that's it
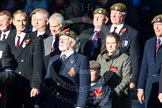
(98, 92)
(72, 72)
(0, 95)
(66, 31)
(123, 30)
(26, 42)
(113, 68)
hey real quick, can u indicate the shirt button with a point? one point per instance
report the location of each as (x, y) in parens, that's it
(57, 93)
(58, 84)
(22, 60)
(19, 72)
(154, 75)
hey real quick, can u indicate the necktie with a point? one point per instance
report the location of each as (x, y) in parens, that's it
(63, 57)
(95, 36)
(4, 36)
(157, 46)
(18, 42)
(94, 42)
(114, 29)
(55, 45)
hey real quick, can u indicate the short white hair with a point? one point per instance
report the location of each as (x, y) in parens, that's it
(58, 18)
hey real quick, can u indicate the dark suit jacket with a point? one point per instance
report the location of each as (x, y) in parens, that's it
(71, 78)
(84, 40)
(150, 68)
(28, 67)
(45, 35)
(10, 34)
(47, 54)
(131, 45)
(6, 77)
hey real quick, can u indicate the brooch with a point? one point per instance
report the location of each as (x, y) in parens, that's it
(72, 72)
(98, 92)
(26, 42)
(123, 30)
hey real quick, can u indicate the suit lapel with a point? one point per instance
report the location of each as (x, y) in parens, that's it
(123, 32)
(70, 63)
(48, 45)
(152, 50)
(20, 49)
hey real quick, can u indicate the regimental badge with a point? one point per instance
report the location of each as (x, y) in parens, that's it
(99, 11)
(72, 61)
(117, 8)
(124, 43)
(72, 72)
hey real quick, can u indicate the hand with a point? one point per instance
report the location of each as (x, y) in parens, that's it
(34, 92)
(132, 86)
(160, 97)
(140, 95)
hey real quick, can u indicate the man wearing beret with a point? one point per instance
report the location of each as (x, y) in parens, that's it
(91, 40)
(68, 76)
(130, 39)
(99, 95)
(148, 82)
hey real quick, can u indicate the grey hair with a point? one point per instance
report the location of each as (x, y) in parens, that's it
(58, 18)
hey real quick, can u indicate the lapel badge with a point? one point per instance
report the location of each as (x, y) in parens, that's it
(26, 42)
(72, 72)
(72, 61)
(124, 43)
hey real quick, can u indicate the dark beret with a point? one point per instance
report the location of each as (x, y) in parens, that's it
(119, 7)
(69, 33)
(100, 11)
(157, 18)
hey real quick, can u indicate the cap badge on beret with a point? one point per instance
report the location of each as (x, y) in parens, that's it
(117, 8)
(99, 11)
(158, 19)
(68, 33)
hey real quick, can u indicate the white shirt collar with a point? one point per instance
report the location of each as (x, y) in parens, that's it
(119, 27)
(68, 53)
(22, 35)
(40, 33)
(6, 33)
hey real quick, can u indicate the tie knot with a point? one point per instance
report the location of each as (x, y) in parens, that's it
(63, 57)
(95, 37)
(4, 37)
(114, 29)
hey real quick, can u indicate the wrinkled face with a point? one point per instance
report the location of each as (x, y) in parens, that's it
(20, 22)
(158, 29)
(33, 20)
(55, 27)
(41, 21)
(117, 17)
(94, 74)
(99, 20)
(5, 23)
(111, 45)
(64, 43)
